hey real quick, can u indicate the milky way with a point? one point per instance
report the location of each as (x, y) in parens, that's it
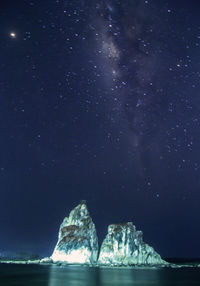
(147, 60)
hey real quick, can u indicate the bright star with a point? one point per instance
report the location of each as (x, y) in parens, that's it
(12, 35)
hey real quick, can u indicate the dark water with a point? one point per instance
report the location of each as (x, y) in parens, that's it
(29, 275)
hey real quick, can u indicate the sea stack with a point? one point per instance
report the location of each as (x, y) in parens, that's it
(77, 238)
(124, 245)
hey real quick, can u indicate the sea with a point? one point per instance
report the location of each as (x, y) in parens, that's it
(52, 275)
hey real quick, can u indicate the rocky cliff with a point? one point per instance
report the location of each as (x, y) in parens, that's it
(124, 245)
(77, 238)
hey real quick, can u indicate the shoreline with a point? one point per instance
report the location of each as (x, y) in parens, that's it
(62, 264)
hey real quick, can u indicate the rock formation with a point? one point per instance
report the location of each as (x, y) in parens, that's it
(77, 238)
(124, 245)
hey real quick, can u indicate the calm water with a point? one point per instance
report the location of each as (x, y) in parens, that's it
(28, 275)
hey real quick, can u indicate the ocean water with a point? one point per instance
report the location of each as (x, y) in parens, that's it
(32, 275)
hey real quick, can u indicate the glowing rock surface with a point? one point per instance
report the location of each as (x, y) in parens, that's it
(124, 245)
(77, 238)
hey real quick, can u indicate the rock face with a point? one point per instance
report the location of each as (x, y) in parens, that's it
(77, 238)
(124, 245)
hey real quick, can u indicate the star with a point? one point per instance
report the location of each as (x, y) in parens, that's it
(13, 35)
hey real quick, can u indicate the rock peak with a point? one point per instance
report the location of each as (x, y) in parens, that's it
(78, 214)
(124, 245)
(77, 238)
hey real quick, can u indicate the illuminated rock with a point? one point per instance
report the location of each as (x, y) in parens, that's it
(77, 238)
(124, 245)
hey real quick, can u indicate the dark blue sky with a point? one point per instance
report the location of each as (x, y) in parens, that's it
(99, 100)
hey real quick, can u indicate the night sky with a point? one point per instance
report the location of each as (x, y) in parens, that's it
(100, 100)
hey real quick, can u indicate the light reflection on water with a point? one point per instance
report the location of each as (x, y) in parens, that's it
(41, 275)
(83, 276)
(74, 276)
